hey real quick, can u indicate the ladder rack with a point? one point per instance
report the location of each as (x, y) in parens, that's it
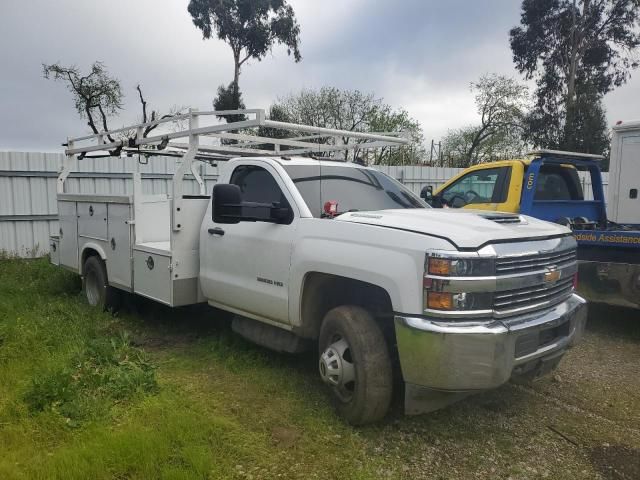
(208, 139)
(132, 137)
(207, 142)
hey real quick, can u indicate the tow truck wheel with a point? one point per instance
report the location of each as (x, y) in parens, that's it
(354, 362)
(95, 285)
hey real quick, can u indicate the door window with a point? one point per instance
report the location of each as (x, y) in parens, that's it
(482, 186)
(257, 185)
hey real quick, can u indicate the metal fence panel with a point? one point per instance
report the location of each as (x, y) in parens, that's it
(28, 205)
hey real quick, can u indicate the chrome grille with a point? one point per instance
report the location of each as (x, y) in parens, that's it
(531, 263)
(531, 298)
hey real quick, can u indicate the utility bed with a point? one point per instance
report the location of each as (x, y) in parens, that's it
(145, 255)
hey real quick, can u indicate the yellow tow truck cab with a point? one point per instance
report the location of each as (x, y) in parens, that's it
(499, 186)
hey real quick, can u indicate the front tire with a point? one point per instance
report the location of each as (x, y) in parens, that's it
(96, 286)
(355, 363)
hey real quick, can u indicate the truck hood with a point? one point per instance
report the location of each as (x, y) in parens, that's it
(466, 229)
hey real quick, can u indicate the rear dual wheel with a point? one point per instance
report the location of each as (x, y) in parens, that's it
(355, 363)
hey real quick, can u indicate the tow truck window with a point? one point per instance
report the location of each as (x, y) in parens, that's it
(556, 182)
(354, 189)
(482, 186)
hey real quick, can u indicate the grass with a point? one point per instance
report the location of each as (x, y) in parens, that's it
(161, 393)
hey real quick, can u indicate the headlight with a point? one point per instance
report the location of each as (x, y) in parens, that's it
(447, 281)
(461, 267)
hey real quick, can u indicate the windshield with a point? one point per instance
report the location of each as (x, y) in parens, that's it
(352, 188)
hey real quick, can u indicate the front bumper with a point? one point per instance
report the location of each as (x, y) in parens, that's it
(454, 357)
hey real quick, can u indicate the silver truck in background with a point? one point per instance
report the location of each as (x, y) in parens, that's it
(310, 252)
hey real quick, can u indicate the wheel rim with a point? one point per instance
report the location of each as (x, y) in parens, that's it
(92, 288)
(337, 369)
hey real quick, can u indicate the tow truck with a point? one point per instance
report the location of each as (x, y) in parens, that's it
(547, 186)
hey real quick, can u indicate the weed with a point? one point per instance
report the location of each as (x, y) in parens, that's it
(109, 370)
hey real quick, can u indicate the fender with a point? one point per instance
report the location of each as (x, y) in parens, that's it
(387, 258)
(91, 246)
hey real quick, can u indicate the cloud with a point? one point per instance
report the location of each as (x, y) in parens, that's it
(420, 55)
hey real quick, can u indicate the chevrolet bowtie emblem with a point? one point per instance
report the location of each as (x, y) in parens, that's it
(552, 276)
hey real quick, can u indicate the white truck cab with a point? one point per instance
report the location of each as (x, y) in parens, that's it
(340, 258)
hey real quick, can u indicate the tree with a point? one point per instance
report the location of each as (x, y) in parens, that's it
(251, 28)
(229, 98)
(96, 94)
(577, 50)
(501, 103)
(457, 143)
(351, 110)
(385, 120)
(173, 111)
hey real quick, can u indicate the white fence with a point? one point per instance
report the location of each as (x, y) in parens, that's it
(28, 209)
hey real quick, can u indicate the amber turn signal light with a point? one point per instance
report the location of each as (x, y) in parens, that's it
(439, 301)
(439, 266)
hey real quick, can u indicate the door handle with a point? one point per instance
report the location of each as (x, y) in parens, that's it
(216, 231)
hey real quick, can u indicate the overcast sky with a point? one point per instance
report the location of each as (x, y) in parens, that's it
(420, 55)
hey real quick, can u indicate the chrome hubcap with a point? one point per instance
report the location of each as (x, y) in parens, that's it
(337, 369)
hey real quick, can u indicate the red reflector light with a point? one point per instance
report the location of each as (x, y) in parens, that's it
(331, 208)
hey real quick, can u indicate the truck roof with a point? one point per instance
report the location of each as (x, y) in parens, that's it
(634, 124)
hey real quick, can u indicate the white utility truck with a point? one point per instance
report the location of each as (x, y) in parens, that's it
(310, 252)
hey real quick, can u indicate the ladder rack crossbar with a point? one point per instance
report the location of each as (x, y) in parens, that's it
(229, 131)
(563, 154)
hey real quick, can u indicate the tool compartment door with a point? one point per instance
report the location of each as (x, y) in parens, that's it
(152, 274)
(92, 220)
(68, 218)
(119, 264)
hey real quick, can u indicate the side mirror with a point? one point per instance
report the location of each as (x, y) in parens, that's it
(226, 203)
(283, 215)
(427, 192)
(228, 207)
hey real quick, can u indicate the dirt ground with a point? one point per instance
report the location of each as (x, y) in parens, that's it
(583, 421)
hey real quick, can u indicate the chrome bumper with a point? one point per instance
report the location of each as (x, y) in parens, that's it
(455, 357)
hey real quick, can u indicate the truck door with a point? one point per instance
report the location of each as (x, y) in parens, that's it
(245, 266)
(483, 189)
